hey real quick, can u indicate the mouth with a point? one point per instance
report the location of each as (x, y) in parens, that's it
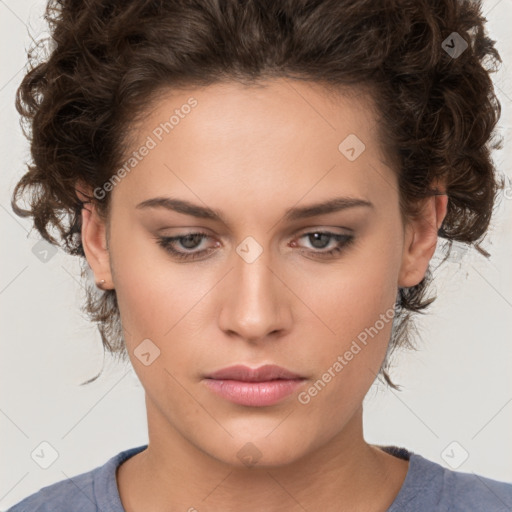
(263, 386)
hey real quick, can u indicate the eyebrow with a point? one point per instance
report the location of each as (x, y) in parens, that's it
(181, 206)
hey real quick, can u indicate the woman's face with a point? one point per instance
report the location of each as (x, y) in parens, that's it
(261, 288)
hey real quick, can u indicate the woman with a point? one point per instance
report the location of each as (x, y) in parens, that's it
(258, 188)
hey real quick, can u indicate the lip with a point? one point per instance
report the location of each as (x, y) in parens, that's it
(261, 374)
(263, 386)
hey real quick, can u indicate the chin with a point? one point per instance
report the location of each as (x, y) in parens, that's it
(259, 452)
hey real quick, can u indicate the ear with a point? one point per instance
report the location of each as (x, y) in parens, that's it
(421, 240)
(94, 238)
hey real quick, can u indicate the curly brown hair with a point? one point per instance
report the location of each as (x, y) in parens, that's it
(109, 60)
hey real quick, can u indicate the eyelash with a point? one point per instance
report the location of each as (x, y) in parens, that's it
(166, 242)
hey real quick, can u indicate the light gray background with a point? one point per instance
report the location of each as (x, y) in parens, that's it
(456, 388)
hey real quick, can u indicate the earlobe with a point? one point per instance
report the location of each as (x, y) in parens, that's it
(94, 241)
(421, 240)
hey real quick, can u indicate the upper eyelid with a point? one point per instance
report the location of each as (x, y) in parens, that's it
(295, 232)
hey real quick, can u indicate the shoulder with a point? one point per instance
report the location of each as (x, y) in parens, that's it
(76, 492)
(469, 491)
(87, 492)
(430, 486)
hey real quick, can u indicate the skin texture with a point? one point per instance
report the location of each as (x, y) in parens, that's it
(251, 153)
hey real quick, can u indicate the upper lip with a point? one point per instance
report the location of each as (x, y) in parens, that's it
(244, 373)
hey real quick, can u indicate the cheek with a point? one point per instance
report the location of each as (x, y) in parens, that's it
(354, 296)
(148, 291)
(358, 308)
(156, 302)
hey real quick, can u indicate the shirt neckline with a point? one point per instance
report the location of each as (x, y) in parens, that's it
(105, 481)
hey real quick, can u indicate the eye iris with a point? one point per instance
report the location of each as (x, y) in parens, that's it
(190, 238)
(314, 237)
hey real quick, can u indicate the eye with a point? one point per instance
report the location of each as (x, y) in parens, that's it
(188, 241)
(322, 239)
(191, 241)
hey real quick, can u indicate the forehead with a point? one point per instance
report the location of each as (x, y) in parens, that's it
(286, 137)
(279, 110)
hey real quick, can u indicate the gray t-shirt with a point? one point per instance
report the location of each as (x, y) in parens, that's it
(427, 487)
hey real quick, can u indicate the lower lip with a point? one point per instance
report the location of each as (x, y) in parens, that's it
(255, 394)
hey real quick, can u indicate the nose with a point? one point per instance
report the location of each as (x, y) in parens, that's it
(257, 303)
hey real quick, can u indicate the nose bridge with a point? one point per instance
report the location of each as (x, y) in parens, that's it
(255, 305)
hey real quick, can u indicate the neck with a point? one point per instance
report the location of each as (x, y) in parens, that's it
(173, 474)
